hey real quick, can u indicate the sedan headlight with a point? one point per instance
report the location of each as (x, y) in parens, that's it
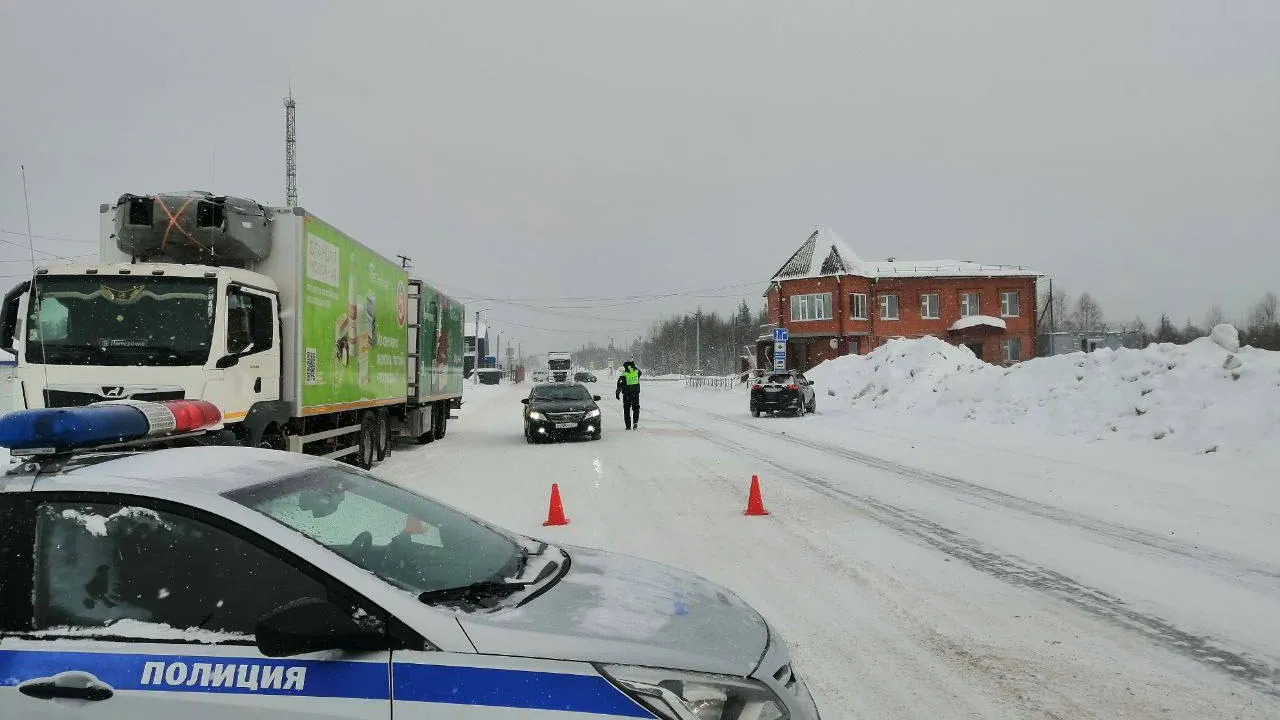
(593, 413)
(680, 695)
(535, 415)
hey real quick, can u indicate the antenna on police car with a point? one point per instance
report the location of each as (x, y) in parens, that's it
(31, 246)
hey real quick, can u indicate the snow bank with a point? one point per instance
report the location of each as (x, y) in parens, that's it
(1198, 397)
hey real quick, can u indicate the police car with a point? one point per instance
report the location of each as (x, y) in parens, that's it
(211, 582)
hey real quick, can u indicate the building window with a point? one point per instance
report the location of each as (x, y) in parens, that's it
(858, 306)
(969, 305)
(811, 307)
(1012, 349)
(930, 306)
(888, 307)
(1009, 304)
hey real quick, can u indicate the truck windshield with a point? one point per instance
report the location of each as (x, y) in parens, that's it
(129, 320)
(559, 364)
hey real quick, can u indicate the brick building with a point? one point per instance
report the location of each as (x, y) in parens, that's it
(833, 303)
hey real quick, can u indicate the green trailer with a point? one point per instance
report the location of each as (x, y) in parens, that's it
(436, 352)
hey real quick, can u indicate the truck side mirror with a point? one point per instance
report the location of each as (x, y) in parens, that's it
(9, 317)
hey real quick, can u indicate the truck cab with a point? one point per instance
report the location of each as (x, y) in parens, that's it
(144, 331)
(559, 365)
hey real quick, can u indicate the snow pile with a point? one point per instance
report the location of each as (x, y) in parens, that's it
(1200, 397)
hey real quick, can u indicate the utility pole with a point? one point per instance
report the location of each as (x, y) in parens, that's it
(476, 368)
(697, 351)
(405, 262)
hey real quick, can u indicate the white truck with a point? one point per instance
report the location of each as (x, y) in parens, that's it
(305, 339)
(559, 364)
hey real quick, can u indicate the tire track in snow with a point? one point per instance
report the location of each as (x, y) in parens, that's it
(1024, 573)
(1232, 567)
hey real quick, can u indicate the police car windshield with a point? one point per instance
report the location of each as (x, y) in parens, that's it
(412, 542)
(564, 393)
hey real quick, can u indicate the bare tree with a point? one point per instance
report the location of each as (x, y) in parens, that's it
(1056, 307)
(1215, 316)
(1264, 323)
(1088, 315)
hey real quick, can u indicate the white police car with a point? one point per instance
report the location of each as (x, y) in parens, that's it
(207, 582)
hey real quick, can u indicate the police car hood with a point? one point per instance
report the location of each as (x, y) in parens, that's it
(616, 609)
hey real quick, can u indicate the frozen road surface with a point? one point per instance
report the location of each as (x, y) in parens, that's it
(917, 571)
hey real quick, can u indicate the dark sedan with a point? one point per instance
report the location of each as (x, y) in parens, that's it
(787, 392)
(558, 411)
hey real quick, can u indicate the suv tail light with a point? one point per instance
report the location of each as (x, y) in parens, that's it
(793, 386)
(756, 386)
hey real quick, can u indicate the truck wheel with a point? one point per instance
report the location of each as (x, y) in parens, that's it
(383, 435)
(442, 420)
(273, 439)
(366, 441)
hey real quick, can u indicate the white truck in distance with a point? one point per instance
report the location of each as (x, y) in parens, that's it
(305, 339)
(559, 364)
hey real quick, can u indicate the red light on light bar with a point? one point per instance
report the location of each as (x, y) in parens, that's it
(192, 415)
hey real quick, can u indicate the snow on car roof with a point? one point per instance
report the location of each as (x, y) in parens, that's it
(213, 470)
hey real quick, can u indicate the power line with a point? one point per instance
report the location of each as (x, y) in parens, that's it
(49, 237)
(622, 299)
(500, 321)
(71, 257)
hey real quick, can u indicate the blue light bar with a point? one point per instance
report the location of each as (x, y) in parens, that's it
(63, 429)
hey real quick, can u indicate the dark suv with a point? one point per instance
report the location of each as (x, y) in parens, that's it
(556, 411)
(785, 391)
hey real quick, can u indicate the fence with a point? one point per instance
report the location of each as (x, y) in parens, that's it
(723, 382)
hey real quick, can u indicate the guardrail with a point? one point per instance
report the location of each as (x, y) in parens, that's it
(711, 382)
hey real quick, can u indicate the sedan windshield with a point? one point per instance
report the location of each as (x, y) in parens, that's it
(127, 320)
(566, 393)
(412, 542)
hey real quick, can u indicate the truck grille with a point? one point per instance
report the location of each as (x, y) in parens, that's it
(69, 398)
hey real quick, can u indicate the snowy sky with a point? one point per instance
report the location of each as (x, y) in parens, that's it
(544, 149)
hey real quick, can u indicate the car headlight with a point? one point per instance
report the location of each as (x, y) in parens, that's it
(535, 415)
(593, 413)
(680, 695)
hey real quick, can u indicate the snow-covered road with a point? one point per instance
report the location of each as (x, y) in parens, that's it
(918, 572)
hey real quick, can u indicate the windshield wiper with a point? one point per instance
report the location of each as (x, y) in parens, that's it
(482, 590)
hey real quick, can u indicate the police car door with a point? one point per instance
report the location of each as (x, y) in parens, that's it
(123, 607)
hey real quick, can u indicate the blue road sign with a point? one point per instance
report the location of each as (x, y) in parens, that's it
(780, 334)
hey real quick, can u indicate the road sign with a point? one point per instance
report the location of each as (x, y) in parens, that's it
(780, 334)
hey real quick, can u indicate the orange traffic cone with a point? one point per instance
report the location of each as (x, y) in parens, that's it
(555, 514)
(755, 504)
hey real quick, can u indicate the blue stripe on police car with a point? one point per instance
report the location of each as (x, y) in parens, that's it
(447, 684)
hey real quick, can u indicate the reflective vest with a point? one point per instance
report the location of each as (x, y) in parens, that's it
(632, 376)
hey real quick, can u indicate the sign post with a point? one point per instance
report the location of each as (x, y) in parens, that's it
(780, 336)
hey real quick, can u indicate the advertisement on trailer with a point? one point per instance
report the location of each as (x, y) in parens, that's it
(353, 323)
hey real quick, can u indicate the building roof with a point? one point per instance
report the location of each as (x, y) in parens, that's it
(823, 253)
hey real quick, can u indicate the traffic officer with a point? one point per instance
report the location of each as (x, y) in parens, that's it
(629, 391)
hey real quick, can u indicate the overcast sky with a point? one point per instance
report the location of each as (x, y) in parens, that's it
(543, 150)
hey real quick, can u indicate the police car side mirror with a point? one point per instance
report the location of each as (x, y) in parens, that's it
(312, 625)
